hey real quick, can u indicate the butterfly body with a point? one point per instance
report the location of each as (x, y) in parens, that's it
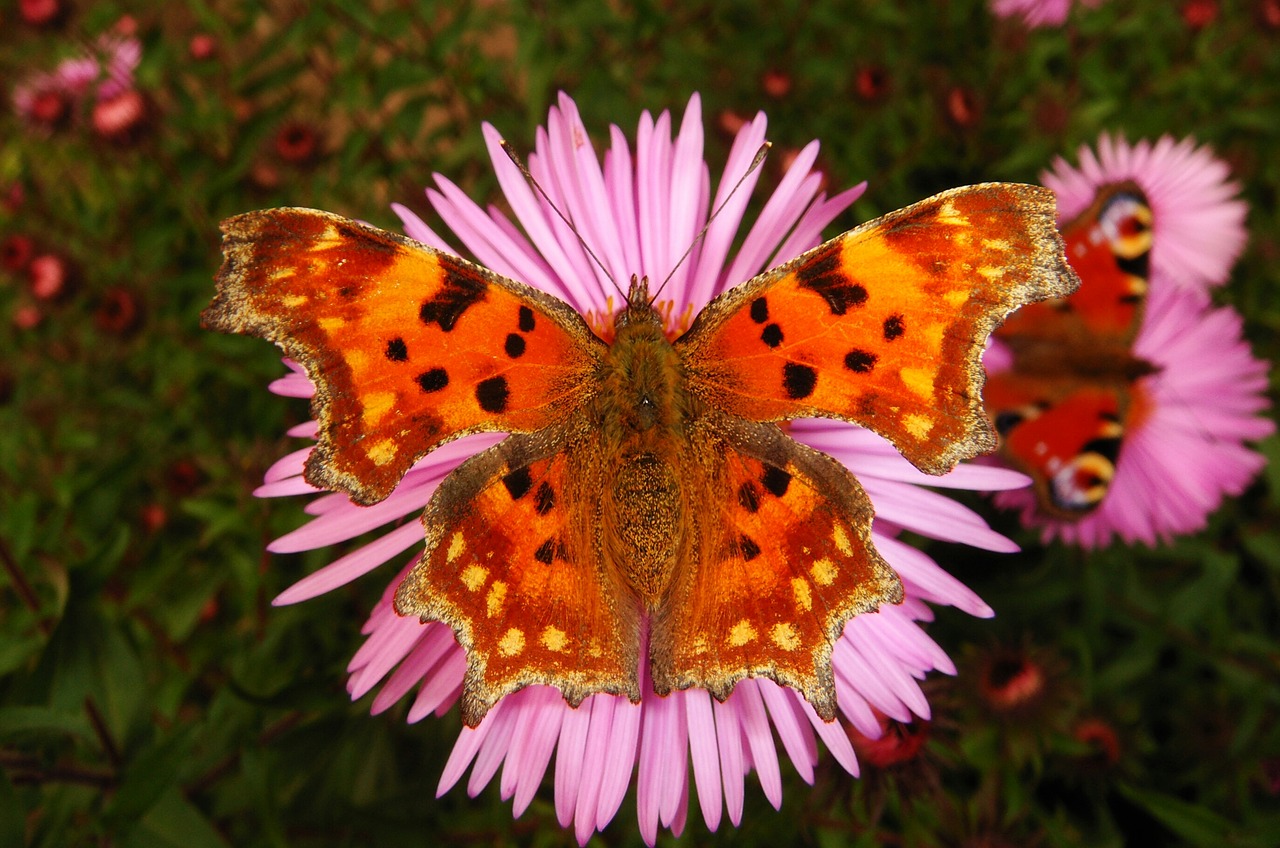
(643, 414)
(646, 493)
(1063, 406)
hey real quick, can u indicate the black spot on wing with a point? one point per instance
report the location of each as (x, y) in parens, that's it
(860, 361)
(526, 320)
(771, 335)
(546, 552)
(545, 499)
(760, 310)
(775, 480)
(798, 380)
(1108, 448)
(749, 497)
(750, 550)
(493, 394)
(514, 345)
(823, 274)
(518, 483)
(397, 350)
(1136, 266)
(433, 380)
(462, 289)
(893, 328)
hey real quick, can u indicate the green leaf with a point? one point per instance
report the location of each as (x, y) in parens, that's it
(173, 822)
(1193, 823)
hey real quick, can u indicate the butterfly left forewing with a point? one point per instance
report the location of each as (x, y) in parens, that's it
(784, 560)
(408, 347)
(884, 326)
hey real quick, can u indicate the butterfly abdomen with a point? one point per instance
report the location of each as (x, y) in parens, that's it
(642, 412)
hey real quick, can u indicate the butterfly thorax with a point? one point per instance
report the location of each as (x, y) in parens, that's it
(642, 412)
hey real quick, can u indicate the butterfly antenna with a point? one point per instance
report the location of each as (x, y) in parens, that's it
(755, 163)
(511, 154)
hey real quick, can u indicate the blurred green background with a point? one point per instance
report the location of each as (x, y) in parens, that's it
(149, 695)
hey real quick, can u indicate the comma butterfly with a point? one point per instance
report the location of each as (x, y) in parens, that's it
(646, 483)
(1062, 408)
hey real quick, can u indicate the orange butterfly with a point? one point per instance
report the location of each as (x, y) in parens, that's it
(1062, 408)
(645, 482)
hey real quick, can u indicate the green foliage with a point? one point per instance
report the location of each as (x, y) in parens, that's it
(150, 696)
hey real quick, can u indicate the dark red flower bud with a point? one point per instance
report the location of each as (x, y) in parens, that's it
(871, 83)
(297, 143)
(776, 83)
(118, 312)
(1101, 738)
(1198, 14)
(899, 742)
(963, 108)
(1011, 681)
(202, 46)
(16, 253)
(41, 12)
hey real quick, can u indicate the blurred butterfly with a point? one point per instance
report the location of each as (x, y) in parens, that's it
(1062, 408)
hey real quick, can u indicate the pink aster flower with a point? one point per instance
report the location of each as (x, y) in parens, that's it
(1199, 221)
(1037, 13)
(102, 74)
(1183, 448)
(639, 211)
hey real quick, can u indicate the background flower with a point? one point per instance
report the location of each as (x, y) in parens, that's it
(1199, 219)
(655, 200)
(1183, 449)
(1037, 13)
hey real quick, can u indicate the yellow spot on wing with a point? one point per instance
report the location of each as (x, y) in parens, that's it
(823, 571)
(997, 244)
(289, 301)
(949, 214)
(376, 405)
(457, 544)
(956, 298)
(842, 540)
(784, 636)
(382, 452)
(804, 596)
(741, 634)
(473, 576)
(554, 639)
(511, 643)
(917, 425)
(331, 325)
(920, 381)
(496, 597)
(991, 272)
